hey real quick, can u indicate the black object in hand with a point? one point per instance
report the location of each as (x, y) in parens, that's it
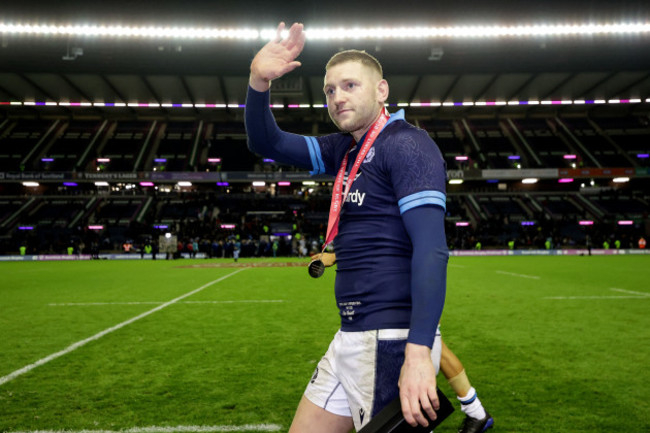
(316, 268)
(391, 420)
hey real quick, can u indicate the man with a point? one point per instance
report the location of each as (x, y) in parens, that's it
(391, 251)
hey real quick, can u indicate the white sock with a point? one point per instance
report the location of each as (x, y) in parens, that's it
(471, 405)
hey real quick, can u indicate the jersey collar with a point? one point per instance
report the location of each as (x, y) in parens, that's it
(399, 115)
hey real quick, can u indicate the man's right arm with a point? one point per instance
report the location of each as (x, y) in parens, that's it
(274, 60)
(266, 138)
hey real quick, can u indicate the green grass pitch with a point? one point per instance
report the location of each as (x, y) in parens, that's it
(552, 344)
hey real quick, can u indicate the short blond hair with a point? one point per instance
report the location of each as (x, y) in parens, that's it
(355, 56)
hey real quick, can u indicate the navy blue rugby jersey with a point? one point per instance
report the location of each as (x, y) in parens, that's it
(403, 169)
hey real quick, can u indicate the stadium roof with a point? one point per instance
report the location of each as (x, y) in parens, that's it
(171, 71)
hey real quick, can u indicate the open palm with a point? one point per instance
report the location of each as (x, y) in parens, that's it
(277, 57)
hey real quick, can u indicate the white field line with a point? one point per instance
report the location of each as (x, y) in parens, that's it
(78, 344)
(643, 294)
(177, 429)
(533, 277)
(633, 295)
(84, 304)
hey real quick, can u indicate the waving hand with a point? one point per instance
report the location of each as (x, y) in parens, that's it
(277, 57)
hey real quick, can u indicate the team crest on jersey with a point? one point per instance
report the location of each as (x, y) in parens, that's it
(370, 155)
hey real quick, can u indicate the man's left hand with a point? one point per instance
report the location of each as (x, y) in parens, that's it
(417, 385)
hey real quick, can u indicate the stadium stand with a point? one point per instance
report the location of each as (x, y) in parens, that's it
(21, 139)
(58, 215)
(122, 144)
(68, 147)
(631, 133)
(173, 150)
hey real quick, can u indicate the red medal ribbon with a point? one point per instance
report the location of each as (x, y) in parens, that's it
(338, 196)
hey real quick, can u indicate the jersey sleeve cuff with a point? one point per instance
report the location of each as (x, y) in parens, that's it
(421, 338)
(422, 198)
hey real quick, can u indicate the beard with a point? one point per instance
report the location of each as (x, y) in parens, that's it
(354, 120)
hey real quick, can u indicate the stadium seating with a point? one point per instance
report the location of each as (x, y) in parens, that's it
(495, 216)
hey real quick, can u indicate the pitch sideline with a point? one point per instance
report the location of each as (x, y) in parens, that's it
(78, 344)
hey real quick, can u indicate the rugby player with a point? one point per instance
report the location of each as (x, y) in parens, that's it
(390, 247)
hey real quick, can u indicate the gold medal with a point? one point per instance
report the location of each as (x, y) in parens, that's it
(316, 268)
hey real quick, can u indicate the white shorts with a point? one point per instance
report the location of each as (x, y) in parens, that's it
(359, 373)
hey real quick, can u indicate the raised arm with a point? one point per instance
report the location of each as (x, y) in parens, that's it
(277, 57)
